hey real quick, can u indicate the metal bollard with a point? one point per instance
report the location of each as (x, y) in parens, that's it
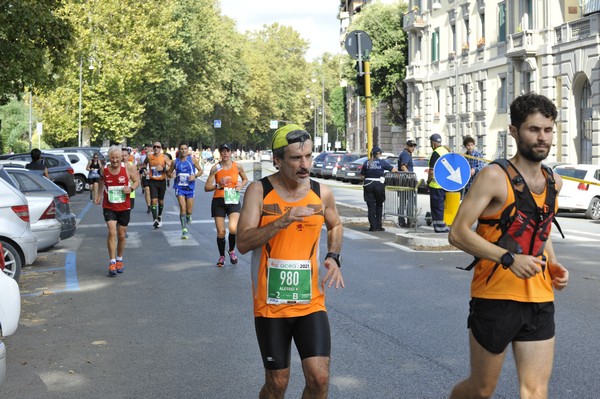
(257, 171)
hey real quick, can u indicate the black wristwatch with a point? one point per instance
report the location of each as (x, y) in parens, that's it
(507, 259)
(336, 257)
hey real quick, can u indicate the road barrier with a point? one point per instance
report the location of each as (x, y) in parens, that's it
(401, 197)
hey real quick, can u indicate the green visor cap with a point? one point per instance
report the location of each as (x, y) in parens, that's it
(289, 134)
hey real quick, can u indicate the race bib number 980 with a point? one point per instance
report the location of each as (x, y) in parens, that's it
(288, 281)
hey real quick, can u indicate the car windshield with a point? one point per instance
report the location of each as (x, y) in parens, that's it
(333, 158)
(571, 172)
(420, 162)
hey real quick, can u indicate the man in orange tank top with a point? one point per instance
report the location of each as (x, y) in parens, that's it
(281, 221)
(224, 180)
(514, 303)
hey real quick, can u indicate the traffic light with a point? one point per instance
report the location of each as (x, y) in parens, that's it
(360, 79)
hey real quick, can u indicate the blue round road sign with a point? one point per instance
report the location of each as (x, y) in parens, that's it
(452, 171)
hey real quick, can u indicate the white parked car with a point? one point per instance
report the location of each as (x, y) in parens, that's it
(10, 311)
(78, 161)
(42, 211)
(18, 242)
(579, 196)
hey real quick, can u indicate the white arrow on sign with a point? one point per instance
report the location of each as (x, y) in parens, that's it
(454, 173)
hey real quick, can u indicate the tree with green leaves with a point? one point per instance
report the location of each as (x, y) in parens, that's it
(383, 23)
(33, 40)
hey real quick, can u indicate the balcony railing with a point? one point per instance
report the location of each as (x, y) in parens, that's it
(523, 44)
(415, 73)
(414, 20)
(577, 30)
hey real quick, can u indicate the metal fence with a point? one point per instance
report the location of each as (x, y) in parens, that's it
(401, 197)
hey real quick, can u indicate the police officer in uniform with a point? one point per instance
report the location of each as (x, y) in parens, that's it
(437, 195)
(373, 171)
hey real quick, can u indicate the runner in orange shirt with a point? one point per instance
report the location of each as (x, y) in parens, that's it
(224, 181)
(515, 269)
(281, 222)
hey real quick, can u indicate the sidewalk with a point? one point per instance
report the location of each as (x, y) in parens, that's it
(421, 238)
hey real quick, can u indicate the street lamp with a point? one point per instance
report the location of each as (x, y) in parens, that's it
(91, 68)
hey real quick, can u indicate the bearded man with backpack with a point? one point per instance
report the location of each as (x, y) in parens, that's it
(515, 271)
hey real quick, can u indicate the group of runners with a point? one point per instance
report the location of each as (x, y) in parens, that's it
(118, 180)
(514, 277)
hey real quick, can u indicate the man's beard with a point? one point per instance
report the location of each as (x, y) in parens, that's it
(527, 152)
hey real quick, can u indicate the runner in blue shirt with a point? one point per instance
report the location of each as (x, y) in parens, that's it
(186, 170)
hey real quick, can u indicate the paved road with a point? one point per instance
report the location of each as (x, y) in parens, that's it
(173, 325)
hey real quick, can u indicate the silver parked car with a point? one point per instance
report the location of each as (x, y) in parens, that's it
(10, 311)
(18, 242)
(23, 179)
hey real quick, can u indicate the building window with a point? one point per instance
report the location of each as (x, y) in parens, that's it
(501, 22)
(416, 104)
(453, 31)
(482, 22)
(452, 100)
(465, 93)
(437, 103)
(435, 45)
(526, 82)
(467, 32)
(527, 18)
(480, 94)
(502, 95)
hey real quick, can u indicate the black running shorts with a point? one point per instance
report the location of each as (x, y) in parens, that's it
(310, 333)
(158, 188)
(496, 323)
(122, 217)
(219, 208)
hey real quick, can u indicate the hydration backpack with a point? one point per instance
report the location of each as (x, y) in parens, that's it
(525, 227)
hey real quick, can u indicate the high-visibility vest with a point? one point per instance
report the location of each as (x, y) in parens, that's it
(441, 150)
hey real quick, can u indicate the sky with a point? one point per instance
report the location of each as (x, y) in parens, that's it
(315, 20)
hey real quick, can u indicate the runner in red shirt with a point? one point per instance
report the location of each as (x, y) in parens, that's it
(115, 188)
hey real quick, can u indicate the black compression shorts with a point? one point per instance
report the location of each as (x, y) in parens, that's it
(496, 323)
(310, 333)
(158, 188)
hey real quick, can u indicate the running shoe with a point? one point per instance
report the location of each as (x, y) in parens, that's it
(160, 221)
(156, 224)
(233, 258)
(221, 261)
(184, 234)
(112, 269)
(120, 266)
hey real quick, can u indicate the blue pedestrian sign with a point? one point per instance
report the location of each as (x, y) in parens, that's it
(217, 123)
(452, 171)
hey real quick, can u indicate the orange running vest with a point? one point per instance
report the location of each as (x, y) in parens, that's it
(298, 242)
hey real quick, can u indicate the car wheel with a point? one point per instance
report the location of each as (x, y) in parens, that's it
(79, 184)
(593, 211)
(12, 260)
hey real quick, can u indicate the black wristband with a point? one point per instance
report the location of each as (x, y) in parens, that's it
(336, 257)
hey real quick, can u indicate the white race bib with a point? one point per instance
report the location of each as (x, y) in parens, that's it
(116, 195)
(288, 282)
(183, 179)
(232, 196)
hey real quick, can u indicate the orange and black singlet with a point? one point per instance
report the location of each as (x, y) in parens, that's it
(492, 282)
(153, 162)
(226, 179)
(285, 271)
